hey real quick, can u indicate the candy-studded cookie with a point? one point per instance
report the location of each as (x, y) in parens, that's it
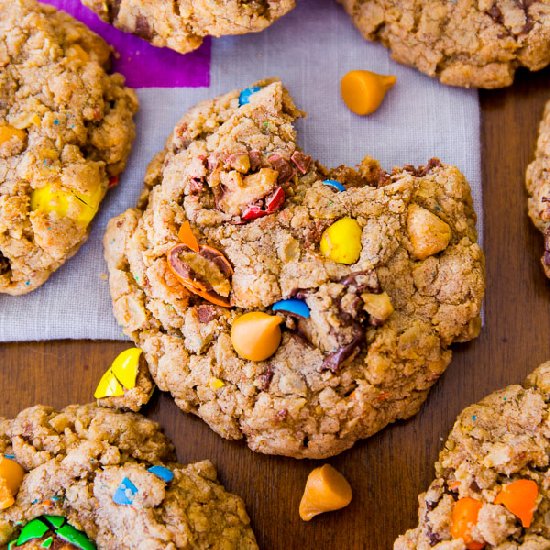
(182, 25)
(297, 308)
(87, 476)
(65, 133)
(470, 43)
(492, 484)
(538, 187)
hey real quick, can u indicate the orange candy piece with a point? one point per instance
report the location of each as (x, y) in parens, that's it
(463, 519)
(185, 276)
(186, 236)
(6, 498)
(183, 272)
(520, 498)
(11, 477)
(326, 490)
(8, 132)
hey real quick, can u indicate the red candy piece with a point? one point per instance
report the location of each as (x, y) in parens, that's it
(253, 213)
(276, 200)
(271, 204)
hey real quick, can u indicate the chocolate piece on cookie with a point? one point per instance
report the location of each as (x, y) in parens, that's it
(467, 43)
(182, 25)
(299, 308)
(65, 133)
(93, 476)
(538, 187)
(492, 485)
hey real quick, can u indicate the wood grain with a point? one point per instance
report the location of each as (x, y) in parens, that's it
(389, 470)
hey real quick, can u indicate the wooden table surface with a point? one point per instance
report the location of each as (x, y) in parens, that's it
(389, 470)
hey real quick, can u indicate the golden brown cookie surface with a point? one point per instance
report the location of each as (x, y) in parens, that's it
(469, 43)
(114, 477)
(65, 133)
(183, 24)
(374, 322)
(495, 461)
(538, 187)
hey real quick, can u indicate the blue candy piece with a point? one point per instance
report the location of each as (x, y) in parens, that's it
(244, 98)
(292, 305)
(335, 185)
(11, 457)
(124, 492)
(162, 472)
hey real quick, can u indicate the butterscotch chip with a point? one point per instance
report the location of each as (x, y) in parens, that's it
(428, 233)
(65, 133)
(501, 442)
(182, 25)
(538, 187)
(469, 43)
(361, 343)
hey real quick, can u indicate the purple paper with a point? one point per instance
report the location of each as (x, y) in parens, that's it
(143, 65)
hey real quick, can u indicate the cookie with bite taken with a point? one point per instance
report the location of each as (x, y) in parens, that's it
(293, 306)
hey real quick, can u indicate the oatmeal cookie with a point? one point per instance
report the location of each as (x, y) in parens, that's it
(182, 25)
(65, 133)
(495, 462)
(469, 43)
(371, 275)
(94, 474)
(538, 187)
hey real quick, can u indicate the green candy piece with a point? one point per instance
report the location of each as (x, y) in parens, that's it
(35, 529)
(75, 537)
(56, 521)
(38, 527)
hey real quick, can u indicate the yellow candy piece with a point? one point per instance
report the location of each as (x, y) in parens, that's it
(121, 374)
(256, 335)
(11, 477)
(341, 242)
(125, 367)
(326, 490)
(364, 91)
(108, 386)
(215, 383)
(8, 132)
(77, 206)
(50, 199)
